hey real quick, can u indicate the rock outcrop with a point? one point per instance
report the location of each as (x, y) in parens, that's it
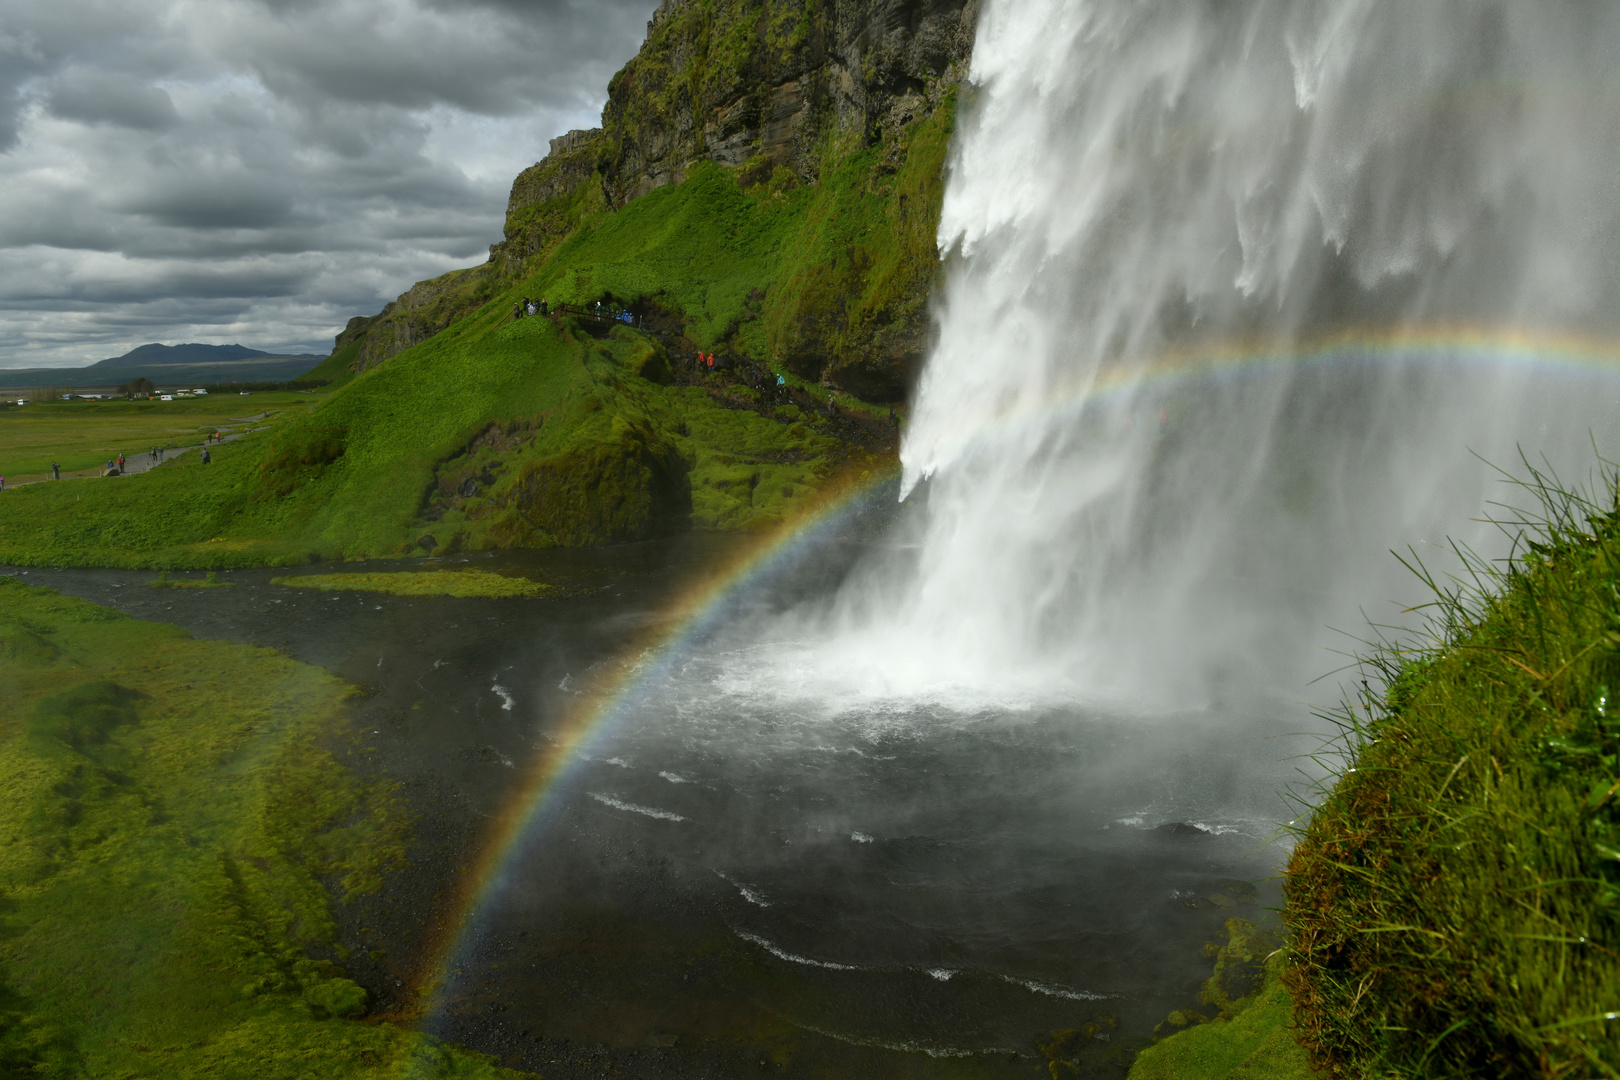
(756, 86)
(420, 312)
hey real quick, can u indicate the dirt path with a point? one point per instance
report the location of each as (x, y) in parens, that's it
(142, 461)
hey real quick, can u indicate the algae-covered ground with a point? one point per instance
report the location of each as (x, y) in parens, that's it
(463, 583)
(180, 827)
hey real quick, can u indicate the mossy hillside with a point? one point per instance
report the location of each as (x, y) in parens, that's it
(829, 279)
(337, 369)
(823, 279)
(382, 463)
(179, 832)
(1455, 899)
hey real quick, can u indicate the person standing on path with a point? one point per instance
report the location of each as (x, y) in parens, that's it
(120, 462)
(206, 459)
(56, 471)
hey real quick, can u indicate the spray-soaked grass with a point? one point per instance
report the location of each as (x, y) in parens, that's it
(463, 583)
(1455, 900)
(177, 833)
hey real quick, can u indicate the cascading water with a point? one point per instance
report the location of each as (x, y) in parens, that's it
(1203, 186)
(1236, 292)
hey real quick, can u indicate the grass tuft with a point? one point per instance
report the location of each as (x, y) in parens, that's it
(1455, 897)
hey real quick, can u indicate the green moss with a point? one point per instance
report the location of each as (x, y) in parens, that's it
(164, 581)
(177, 831)
(1455, 899)
(421, 583)
(1252, 1040)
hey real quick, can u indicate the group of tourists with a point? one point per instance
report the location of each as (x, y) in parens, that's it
(601, 311)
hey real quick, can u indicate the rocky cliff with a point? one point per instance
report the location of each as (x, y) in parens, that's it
(777, 92)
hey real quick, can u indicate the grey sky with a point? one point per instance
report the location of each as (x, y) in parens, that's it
(261, 170)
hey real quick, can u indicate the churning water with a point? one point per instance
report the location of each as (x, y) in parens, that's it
(1237, 292)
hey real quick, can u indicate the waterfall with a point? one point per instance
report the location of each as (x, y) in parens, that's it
(1239, 297)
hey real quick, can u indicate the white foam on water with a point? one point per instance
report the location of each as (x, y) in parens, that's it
(753, 896)
(792, 958)
(618, 761)
(635, 808)
(942, 974)
(1056, 991)
(903, 1046)
(674, 778)
(860, 838)
(507, 701)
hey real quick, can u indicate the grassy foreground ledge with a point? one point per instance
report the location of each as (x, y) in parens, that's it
(1455, 899)
(175, 835)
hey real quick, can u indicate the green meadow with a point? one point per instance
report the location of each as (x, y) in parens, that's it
(182, 821)
(565, 438)
(81, 436)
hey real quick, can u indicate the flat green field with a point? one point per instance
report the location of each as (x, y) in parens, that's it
(82, 435)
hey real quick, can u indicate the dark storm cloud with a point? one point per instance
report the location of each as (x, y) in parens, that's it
(98, 99)
(261, 170)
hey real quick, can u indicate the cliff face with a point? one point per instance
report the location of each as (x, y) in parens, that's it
(779, 92)
(757, 85)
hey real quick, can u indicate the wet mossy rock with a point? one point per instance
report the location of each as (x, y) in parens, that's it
(631, 485)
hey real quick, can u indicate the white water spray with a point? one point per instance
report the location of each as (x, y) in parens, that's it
(1142, 178)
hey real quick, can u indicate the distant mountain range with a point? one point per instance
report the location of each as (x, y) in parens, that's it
(169, 365)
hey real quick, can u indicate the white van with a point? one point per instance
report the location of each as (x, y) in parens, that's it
(204, 393)
(166, 397)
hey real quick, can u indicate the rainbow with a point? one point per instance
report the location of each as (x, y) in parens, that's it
(696, 610)
(1461, 345)
(704, 605)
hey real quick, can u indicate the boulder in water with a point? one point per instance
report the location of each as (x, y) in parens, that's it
(1182, 830)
